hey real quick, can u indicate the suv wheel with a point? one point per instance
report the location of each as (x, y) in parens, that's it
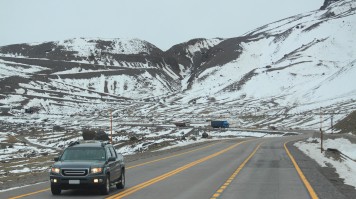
(121, 184)
(56, 190)
(106, 187)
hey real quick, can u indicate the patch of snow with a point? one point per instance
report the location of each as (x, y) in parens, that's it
(236, 134)
(24, 170)
(346, 168)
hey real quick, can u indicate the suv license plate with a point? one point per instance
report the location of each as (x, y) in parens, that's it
(74, 181)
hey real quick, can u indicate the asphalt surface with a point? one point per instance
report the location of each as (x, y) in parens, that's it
(255, 168)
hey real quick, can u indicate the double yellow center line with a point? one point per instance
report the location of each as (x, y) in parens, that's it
(138, 187)
(232, 177)
(172, 156)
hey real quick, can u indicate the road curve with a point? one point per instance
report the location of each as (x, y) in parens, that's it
(236, 168)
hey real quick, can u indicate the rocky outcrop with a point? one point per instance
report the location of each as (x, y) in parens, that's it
(327, 3)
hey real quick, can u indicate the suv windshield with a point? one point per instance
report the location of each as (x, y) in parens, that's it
(78, 153)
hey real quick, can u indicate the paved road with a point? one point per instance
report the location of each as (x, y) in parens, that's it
(255, 168)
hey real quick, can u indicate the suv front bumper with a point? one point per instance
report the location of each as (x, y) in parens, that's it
(76, 182)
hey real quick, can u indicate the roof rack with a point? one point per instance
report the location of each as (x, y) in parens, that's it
(103, 143)
(90, 141)
(73, 143)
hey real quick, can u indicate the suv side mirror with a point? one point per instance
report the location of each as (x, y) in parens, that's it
(111, 159)
(56, 159)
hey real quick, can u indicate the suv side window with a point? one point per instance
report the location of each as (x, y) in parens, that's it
(113, 152)
(108, 152)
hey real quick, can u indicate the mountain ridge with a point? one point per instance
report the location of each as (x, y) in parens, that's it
(277, 70)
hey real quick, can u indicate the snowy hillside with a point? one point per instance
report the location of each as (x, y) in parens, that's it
(92, 70)
(297, 64)
(277, 75)
(80, 48)
(115, 46)
(189, 56)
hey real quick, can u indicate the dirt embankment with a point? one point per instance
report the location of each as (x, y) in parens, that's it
(348, 124)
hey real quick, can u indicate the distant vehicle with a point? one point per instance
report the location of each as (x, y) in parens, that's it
(29, 110)
(32, 110)
(219, 124)
(90, 164)
(181, 124)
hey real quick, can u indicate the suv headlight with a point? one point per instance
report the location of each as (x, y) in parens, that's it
(96, 170)
(55, 170)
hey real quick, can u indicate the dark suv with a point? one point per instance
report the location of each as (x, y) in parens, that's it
(88, 164)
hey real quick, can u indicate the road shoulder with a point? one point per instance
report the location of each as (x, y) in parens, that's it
(324, 180)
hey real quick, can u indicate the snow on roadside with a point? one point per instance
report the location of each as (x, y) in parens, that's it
(143, 146)
(24, 170)
(27, 169)
(19, 150)
(243, 134)
(54, 142)
(343, 145)
(346, 168)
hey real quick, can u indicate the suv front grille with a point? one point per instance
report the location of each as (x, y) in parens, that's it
(74, 172)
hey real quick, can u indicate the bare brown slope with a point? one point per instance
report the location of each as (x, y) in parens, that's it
(348, 124)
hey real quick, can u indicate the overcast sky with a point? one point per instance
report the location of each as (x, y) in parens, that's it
(161, 22)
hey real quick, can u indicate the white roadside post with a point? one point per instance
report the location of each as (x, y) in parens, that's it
(321, 132)
(332, 123)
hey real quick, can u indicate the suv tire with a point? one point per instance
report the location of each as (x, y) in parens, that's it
(121, 184)
(106, 186)
(56, 190)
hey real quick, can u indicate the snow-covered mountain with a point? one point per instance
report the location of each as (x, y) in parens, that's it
(294, 65)
(298, 55)
(80, 49)
(122, 67)
(190, 54)
(278, 74)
